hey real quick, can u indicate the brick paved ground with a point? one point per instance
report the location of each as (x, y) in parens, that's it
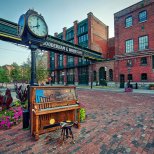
(116, 123)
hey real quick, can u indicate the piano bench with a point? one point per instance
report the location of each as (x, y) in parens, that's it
(67, 131)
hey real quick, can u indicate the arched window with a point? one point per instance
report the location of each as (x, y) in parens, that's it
(110, 75)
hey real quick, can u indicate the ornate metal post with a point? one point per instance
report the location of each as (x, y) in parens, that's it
(33, 81)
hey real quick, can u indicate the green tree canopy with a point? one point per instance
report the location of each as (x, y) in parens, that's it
(16, 73)
(4, 75)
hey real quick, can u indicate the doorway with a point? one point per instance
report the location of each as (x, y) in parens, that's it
(102, 76)
(122, 80)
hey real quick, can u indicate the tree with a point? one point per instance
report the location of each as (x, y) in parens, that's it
(4, 76)
(41, 72)
(16, 73)
(41, 66)
(26, 69)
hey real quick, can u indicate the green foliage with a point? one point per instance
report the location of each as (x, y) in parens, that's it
(41, 67)
(17, 103)
(9, 113)
(15, 73)
(4, 75)
(6, 113)
(82, 114)
(151, 85)
(26, 71)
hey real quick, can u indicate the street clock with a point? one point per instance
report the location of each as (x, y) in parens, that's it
(37, 25)
(32, 28)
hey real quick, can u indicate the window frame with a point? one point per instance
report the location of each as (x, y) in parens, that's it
(70, 60)
(130, 46)
(130, 77)
(139, 19)
(139, 44)
(70, 35)
(142, 61)
(60, 60)
(52, 60)
(127, 25)
(142, 77)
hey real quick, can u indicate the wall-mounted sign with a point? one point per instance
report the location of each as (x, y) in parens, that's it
(62, 48)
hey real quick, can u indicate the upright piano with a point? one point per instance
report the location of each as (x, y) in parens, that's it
(51, 105)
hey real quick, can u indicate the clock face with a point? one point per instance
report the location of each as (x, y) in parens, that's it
(21, 25)
(37, 25)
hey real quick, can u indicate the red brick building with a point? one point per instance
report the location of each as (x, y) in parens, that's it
(134, 44)
(89, 33)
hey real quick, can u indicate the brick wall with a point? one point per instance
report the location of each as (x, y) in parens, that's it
(134, 32)
(136, 70)
(111, 48)
(138, 29)
(108, 64)
(99, 35)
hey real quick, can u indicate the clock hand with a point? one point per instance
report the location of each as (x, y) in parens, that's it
(38, 23)
(35, 26)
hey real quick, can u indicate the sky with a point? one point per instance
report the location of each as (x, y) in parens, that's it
(57, 14)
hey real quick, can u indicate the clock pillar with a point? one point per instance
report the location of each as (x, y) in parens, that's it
(33, 81)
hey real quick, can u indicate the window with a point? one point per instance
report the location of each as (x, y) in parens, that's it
(129, 44)
(70, 61)
(70, 35)
(83, 28)
(83, 38)
(71, 41)
(128, 21)
(70, 76)
(152, 62)
(143, 42)
(143, 61)
(60, 60)
(130, 77)
(52, 59)
(60, 37)
(142, 16)
(143, 76)
(110, 75)
(129, 63)
(83, 61)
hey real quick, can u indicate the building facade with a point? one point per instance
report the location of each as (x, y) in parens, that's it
(134, 45)
(128, 57)
(89, 33)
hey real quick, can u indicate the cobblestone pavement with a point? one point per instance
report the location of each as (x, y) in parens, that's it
(116, 123)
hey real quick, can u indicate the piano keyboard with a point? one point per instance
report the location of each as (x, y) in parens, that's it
(59, 107)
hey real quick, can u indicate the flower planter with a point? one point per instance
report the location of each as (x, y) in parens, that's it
(128, 89)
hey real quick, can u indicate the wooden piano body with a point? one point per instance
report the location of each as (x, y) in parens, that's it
(54, 103)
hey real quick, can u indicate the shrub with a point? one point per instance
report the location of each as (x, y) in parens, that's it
(151, 85)
(82, 114)
(10, 117)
